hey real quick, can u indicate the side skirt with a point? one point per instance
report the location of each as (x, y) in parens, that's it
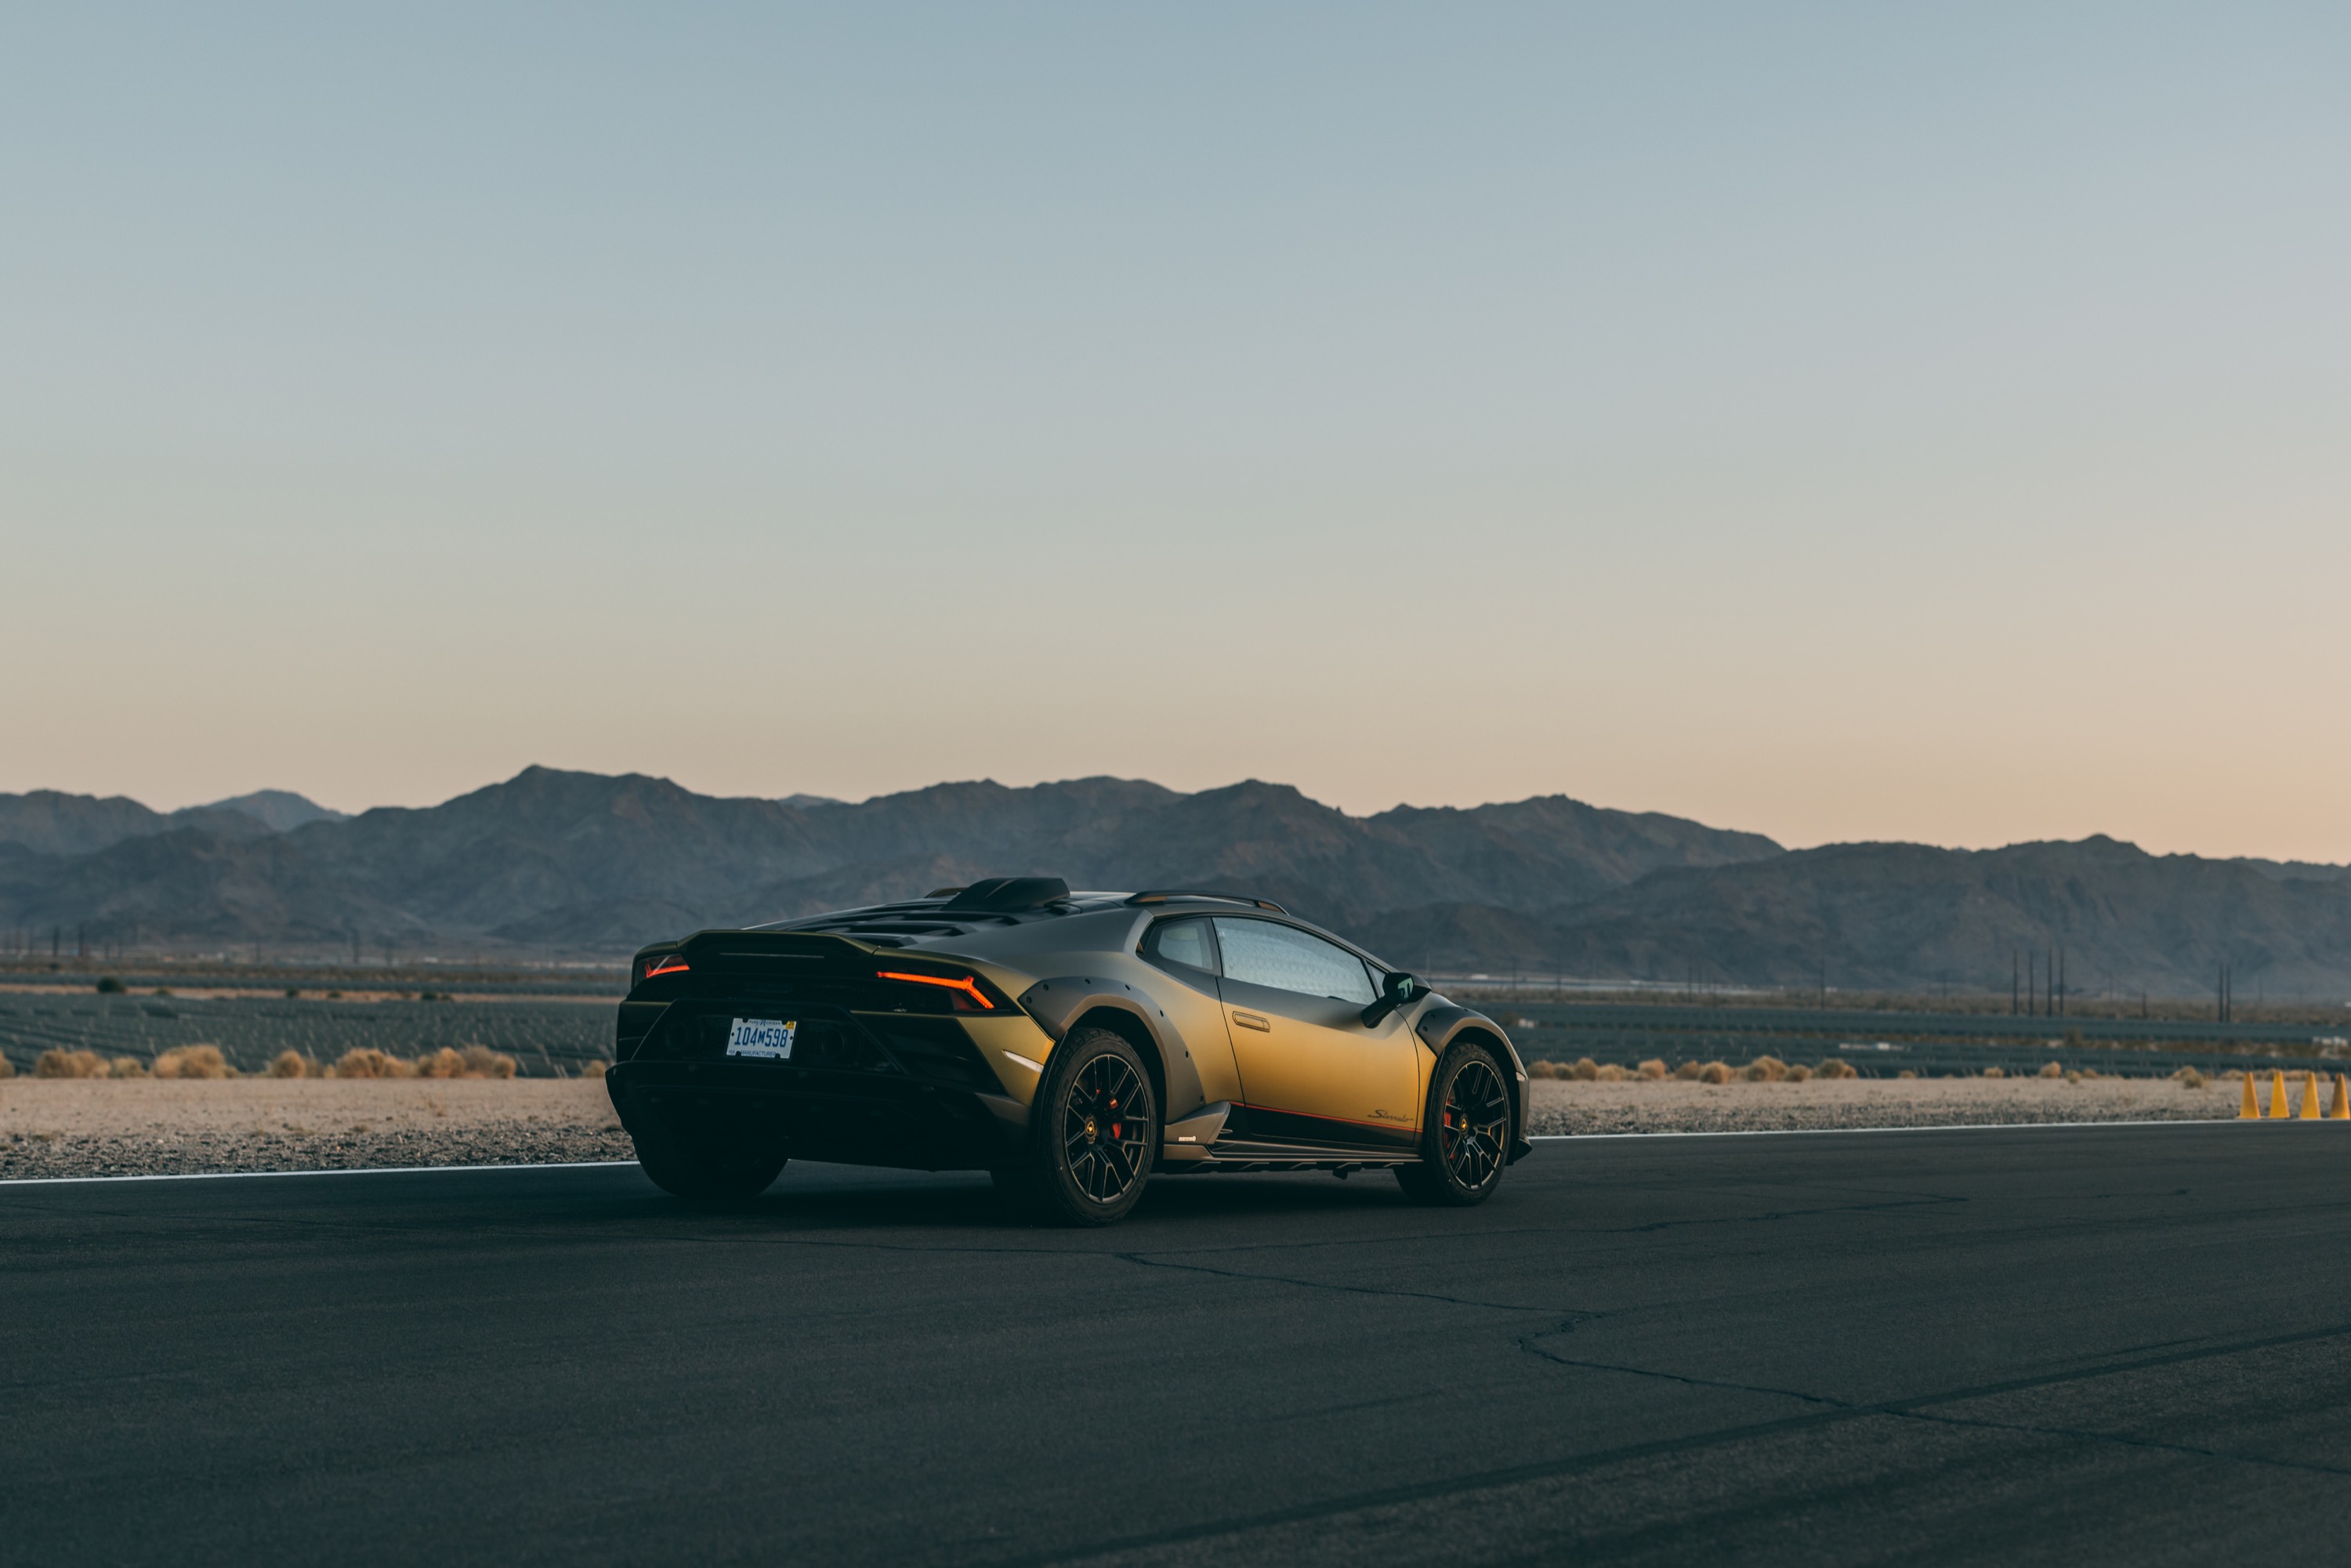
(1232, 1155)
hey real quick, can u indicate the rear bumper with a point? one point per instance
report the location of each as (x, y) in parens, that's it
(817, 1114)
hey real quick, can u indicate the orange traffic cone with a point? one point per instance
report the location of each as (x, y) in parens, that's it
(2277, 1095)
(2310, 1098)
(2252, 1107)
(2341, 1110)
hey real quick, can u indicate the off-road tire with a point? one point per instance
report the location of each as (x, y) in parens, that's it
(1093, 1134)
(707, 1172)
(1466, 1140)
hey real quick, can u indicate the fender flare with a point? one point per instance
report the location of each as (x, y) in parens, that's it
(1440, 1025)
(1057, 1003)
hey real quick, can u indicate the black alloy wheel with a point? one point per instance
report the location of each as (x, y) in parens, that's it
(712, 1170)
(1094, 1132)
(1467, 1143)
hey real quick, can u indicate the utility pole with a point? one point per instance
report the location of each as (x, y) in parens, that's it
(2015, 981)
(2061, 982)
(2032, 985)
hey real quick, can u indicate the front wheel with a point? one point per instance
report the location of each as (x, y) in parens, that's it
(1467, 1141)
(1093, 1134)
(713, 1172)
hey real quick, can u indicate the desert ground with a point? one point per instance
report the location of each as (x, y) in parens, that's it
(84, 1127)
(1674, 1105)
(97, 1126)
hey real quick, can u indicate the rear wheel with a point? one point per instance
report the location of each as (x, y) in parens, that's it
(1467, 1140)
(1093, 1134)
(716, 1170)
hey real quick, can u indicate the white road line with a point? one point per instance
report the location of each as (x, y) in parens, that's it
(1947, 1127)
(343, 1171)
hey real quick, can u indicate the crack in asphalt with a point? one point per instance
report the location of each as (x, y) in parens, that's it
(1145, 1261)
(1836, 1412)
(2124, 1440)
(1930, 1200)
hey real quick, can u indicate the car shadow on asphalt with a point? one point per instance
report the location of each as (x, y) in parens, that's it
(958, 1202)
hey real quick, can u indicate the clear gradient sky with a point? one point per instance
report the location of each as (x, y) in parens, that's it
(1837, 421)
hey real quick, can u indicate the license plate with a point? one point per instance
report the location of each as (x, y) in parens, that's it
(770, 1037)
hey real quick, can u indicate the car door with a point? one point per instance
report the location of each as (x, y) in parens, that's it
(1185, 950)
(1312, 1072)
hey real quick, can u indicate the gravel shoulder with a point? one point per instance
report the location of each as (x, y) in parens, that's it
(78, 1127)
(1671, 1105)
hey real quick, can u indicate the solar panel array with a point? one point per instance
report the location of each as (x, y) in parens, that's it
(546, 1038)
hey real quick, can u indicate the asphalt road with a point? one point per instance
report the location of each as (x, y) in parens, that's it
(2049, 1346)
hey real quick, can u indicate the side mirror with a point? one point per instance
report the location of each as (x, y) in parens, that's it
(1396, 989)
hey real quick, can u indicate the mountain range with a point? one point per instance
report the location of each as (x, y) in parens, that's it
(581, 863)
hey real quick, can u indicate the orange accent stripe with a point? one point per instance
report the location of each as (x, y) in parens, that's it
(965, 984)
(670, 966)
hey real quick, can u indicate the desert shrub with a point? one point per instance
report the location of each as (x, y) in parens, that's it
(1714, 1072)
(1611, 1074)
(481, 1061)
(596, 1069)
(1586, 1069)
(1908, 1073)
(1995, 1072)
(1764, 1070)
(194, 1062)
(2071, 1077)
(126, 1067)
(1799, 1073)
(2053, 1070)
(1689, 1072)
(7, 1068)
(1652, 1068)
(2190, 1078)
(1836, 1068)
(473, 1061)
(2089, 1072)
(1545, 1070)
(294, 1064)
(368, 1063)
(108, 985)
(69, 1064)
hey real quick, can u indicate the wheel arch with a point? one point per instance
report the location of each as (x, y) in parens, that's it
(1063, 1004)
(1443, 1028)
(1130, 1028)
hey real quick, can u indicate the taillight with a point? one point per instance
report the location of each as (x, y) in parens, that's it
(962, 985)
(661, 964)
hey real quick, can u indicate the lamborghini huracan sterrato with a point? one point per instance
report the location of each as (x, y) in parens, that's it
(1071, 1044)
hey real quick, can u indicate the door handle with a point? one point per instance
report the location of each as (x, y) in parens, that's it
(1251, 1020)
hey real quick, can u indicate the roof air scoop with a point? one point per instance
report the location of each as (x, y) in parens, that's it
(1006, 894)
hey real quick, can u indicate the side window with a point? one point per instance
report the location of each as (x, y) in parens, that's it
(1288, 960)
(1184, 943)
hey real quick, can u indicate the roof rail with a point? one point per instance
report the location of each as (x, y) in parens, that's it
(1161, 895)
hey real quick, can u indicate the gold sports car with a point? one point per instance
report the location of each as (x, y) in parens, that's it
(1072, 1044)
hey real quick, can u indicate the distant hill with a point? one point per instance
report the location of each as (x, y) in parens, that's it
(1913, 916)
(589, 863)
(277, 810)
(49, 822)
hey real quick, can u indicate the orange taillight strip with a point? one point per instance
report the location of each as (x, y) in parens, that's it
(669, 967)
(964, 984)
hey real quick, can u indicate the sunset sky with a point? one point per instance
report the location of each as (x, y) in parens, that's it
(1836, 421)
